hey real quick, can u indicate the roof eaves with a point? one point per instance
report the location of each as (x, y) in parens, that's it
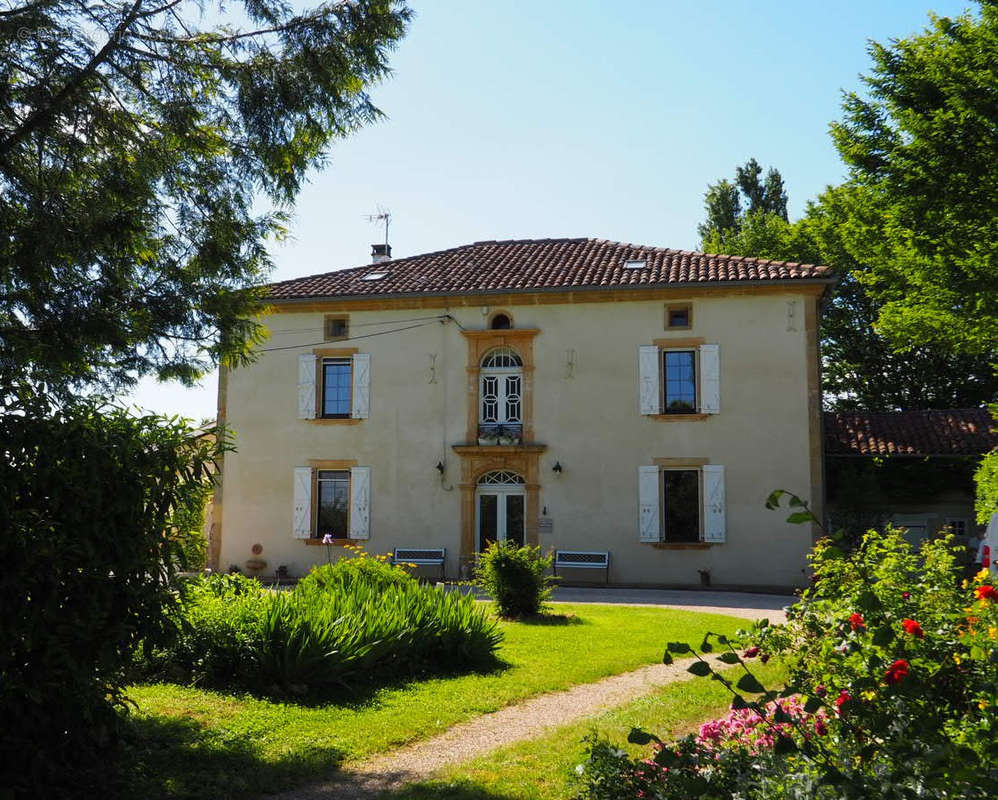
(903, 455)
(814, 280)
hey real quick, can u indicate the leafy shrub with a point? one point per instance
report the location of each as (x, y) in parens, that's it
(341, 626)
(218, 631)
(894, 674)
(88, 498)
(986, 480)
(377, 570)
(515, 577)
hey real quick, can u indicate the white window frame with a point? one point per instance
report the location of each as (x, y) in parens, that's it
(652, 375)
(311, 386)
(317, 495)
(305, 515)
(700, 502)
(663, 377)
(331, 361)
(502, 395)
(711, 503)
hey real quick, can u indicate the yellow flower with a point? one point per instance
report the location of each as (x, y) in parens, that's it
(993, 633)
(957, 659)
(981, 576)
(965, 584)
(869, 694)
(983, 704)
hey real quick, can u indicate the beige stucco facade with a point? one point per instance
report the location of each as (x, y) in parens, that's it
(581, 405)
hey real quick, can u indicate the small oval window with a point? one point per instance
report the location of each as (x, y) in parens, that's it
(501, 322)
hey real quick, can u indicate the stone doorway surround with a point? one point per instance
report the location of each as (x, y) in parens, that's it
(476, 461)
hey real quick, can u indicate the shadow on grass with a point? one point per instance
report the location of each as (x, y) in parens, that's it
(351, 694)
(180, 759)
(451, 790)
(360, 693)
(552, 619)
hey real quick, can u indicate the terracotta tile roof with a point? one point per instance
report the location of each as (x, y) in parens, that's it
(533, 264)
(951, 432)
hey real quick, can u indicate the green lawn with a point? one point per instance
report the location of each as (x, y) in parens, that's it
(183, 742)
(544, 768)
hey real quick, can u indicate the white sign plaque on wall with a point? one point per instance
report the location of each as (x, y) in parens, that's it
(545, 525)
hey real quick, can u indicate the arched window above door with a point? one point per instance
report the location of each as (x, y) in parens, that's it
(499, 477)
(501, 358)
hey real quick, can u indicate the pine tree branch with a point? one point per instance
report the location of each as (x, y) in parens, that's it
(41, 116)
(13, 12)
(216, 38)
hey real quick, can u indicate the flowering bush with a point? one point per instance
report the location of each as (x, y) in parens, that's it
(753, 729)
(361, 565)
(893, 690)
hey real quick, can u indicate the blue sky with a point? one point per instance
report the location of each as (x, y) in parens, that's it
(554, 118)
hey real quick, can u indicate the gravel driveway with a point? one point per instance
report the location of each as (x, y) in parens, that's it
(735, 604)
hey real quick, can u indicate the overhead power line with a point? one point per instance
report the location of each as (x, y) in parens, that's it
(350, 339)
(363, 324)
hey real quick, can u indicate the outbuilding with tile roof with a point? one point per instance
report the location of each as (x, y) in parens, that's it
(912, 468)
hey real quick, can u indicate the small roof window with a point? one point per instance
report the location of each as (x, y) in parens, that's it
(637, 263)
(374, 276)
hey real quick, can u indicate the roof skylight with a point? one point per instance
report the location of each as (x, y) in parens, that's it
(638, 263)
(374, 276)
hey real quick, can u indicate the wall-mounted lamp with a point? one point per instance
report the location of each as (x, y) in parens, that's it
(557, 467)
(441, 467)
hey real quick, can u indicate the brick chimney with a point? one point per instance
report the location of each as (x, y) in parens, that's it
(381, 253)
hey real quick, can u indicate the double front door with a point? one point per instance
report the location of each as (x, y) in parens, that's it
(501, 513)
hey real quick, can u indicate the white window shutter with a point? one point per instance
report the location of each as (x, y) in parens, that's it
(648, 385)
(302, 518)
(360, 407)
(710, 379)
(713, 503)
(360, 502)
(306, 386)
(649, 524)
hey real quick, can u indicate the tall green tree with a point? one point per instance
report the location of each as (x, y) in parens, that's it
(861, 368)
(723, 206)
(922, 143)
(148, 151)
(729, 204)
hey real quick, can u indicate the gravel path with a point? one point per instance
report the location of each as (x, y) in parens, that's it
(480, 735)
(526, 720)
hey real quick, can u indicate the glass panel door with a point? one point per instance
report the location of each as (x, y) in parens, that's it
(488, 520)
(501, 516)
(514, 519)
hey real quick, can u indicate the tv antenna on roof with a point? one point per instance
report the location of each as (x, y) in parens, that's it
(383, 215)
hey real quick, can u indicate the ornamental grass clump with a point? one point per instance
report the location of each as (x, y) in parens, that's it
(893, 690)
(339, 628)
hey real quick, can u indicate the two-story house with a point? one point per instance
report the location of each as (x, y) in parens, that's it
(577, 394)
